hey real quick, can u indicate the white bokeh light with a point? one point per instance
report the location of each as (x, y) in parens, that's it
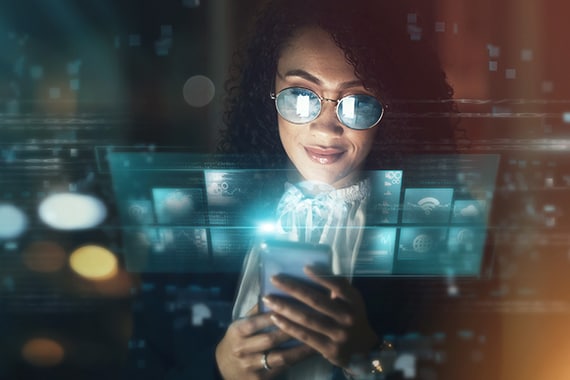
(13, 221)
(200, 312)
(69, 211)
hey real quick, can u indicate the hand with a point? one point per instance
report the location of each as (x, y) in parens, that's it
(336, 324)
(239, 354)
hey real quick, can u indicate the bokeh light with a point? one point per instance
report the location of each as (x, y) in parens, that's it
(94, 262)
(199, 91)
(44, 256)
(200, 311)
(13, 221)
(69, 211)
(43, 352)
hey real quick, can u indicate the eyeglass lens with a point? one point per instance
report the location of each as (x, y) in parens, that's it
(299, 105)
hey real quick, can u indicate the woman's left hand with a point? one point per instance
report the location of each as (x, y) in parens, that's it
(335, 325)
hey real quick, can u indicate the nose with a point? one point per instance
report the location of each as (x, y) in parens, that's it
(327, 123)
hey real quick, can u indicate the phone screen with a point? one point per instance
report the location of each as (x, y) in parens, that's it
(285, 257)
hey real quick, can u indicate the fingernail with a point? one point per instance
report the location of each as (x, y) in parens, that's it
(277, 279)
(275, 319)
(266, 300)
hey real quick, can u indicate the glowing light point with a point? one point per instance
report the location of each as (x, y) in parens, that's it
(69, 211)
(94, 262)
(266, 228)
(13, 221)
(452, 290)
(43, 352)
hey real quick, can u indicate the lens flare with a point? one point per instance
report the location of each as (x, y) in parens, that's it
(94, 262)
(69, 211)
(266, 227)
(43, 352)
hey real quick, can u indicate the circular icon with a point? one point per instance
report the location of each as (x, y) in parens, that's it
(422, 243)
(395, 177)
(137, 213)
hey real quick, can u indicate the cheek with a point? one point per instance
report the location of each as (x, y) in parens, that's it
(283, 133)
(286, 135)
(364, 142)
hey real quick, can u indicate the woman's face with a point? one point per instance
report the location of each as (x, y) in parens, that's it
(322, 150)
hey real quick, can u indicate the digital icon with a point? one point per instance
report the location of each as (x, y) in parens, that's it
(223, 188)
(385, 200)
(469, 211)
(140, 211)
(137, 212)
(422, 243)
(394, 177)
(466, 240)
(376, 256)
(178, 206)
(428, 204)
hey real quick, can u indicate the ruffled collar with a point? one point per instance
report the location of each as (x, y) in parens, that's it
(308, 208)
(320, 190)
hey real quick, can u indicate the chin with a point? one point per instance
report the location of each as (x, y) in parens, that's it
(326, 179)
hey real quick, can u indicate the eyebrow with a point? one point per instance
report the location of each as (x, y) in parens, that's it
(311, 78)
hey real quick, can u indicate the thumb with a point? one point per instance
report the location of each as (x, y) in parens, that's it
(254, 310)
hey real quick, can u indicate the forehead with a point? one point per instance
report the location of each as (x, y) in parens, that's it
(313, 50)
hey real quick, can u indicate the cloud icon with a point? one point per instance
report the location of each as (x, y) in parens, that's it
(469, 211)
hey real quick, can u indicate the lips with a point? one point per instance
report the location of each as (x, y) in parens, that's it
(324, 156)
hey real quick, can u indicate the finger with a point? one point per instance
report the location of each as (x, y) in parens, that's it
(301, 315)
(260, 342)
(339, 286)
(254, 310)
(281, 359)
(251, 325)
(312, 297)
(316, 341)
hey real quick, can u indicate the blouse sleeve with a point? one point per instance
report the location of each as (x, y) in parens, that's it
(248, 290)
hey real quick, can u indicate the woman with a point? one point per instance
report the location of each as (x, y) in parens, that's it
(321, 86)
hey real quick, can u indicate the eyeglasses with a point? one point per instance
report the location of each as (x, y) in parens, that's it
(299, 105)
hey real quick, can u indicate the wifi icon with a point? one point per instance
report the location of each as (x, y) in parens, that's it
(431, 205)
(428, 204)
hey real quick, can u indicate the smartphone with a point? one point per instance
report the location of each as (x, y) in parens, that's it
(286, 257)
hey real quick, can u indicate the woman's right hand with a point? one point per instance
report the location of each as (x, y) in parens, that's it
(239, 354)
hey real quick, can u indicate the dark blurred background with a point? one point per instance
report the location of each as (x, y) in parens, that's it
(80, 78)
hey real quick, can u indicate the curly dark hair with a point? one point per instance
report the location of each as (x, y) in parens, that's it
(404, 72)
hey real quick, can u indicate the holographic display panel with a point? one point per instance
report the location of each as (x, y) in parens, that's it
(191, 213)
